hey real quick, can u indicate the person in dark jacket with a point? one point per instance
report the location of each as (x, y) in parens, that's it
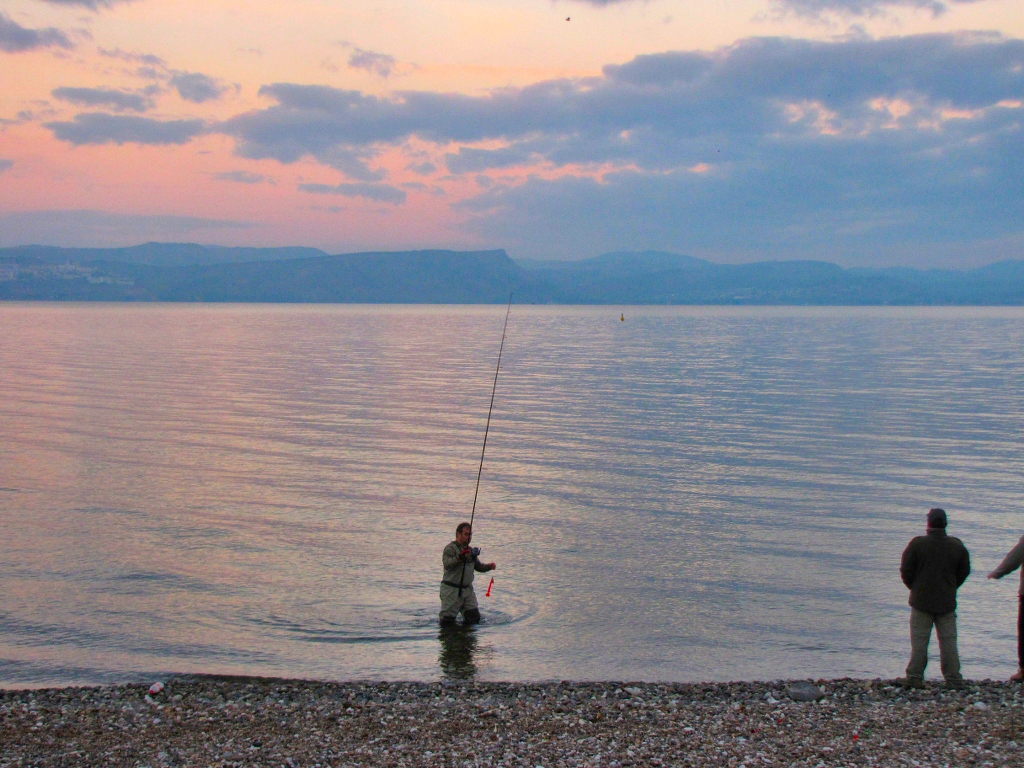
(933, 567)
(1010, 563)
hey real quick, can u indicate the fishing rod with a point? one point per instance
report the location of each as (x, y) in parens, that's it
(487, 429)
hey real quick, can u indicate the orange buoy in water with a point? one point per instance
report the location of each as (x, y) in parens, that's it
(622, 318)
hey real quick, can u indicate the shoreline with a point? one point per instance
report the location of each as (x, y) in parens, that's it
(255, 721)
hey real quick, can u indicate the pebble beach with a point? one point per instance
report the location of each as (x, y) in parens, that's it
(224, 721)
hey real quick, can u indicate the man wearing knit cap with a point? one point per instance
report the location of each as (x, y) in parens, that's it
(933, 567)
(1010, 563)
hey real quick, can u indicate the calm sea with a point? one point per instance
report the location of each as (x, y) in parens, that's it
(688, 494)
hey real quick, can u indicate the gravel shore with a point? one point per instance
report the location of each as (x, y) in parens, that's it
(218, 721)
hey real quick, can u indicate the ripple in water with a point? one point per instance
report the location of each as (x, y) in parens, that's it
(700, 493)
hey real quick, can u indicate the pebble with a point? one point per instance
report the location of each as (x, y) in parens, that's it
(225, 721)
(803, 691)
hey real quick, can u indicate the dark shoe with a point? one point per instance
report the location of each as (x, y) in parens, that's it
(1017, 676)
(448, 621)
(911, 682)
(956, 683)
(472, 616)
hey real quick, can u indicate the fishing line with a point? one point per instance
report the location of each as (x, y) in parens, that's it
(483, 450)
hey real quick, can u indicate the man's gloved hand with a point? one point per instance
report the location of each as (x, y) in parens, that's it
(475, 552)
(466, 553)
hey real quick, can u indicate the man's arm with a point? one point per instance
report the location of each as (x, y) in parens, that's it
(451, 558)
(963, 568)
(483, 567)
(1011, 562)
(908, 565)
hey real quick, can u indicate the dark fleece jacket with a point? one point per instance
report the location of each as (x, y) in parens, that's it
(933, 567)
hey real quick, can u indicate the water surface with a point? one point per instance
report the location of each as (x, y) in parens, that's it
(691, 494)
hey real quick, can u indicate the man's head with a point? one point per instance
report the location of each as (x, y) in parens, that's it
(463, 533)
(936, 518)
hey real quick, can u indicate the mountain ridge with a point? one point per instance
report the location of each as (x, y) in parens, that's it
(181, 272)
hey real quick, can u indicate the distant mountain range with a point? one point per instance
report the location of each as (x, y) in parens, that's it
(190, 272)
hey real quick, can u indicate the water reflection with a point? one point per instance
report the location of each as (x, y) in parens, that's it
(696, 494)
(458, 649)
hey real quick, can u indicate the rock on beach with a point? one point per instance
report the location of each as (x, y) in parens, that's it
(221, 721)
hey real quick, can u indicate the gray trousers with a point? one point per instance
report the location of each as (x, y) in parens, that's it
(452, 604)
(921, 632)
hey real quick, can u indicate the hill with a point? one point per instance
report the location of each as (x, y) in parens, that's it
(191, 272)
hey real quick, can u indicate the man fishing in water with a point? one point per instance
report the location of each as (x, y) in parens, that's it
(460, 563)
(457, 594)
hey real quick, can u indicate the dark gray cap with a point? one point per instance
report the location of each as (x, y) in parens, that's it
(936, 518)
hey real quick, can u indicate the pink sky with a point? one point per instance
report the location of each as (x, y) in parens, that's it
(498, 123)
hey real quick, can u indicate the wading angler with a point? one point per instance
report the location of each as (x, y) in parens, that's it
(461, 562)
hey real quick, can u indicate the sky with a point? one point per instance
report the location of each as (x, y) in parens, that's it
(862, 132)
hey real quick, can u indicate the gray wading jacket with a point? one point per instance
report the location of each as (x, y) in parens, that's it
(933, 567)
(455, 566)
(1012, 562)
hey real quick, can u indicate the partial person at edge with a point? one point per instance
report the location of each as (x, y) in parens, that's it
(1013, 560)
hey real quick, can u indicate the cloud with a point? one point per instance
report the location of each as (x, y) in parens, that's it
(287, 135)
(377, 63)
(353, 162)
(15, 38)
(138, 101)
(687, 100)
(818, 8)
(770, 143)
(196, 87)
(241, 177)
(148, 59)
(811, 199)
(381, 193)
(471, 160)
(86, 228)
(423, 169)
(101, 128)
(5, 164)
(23, 116)
(92, 5)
